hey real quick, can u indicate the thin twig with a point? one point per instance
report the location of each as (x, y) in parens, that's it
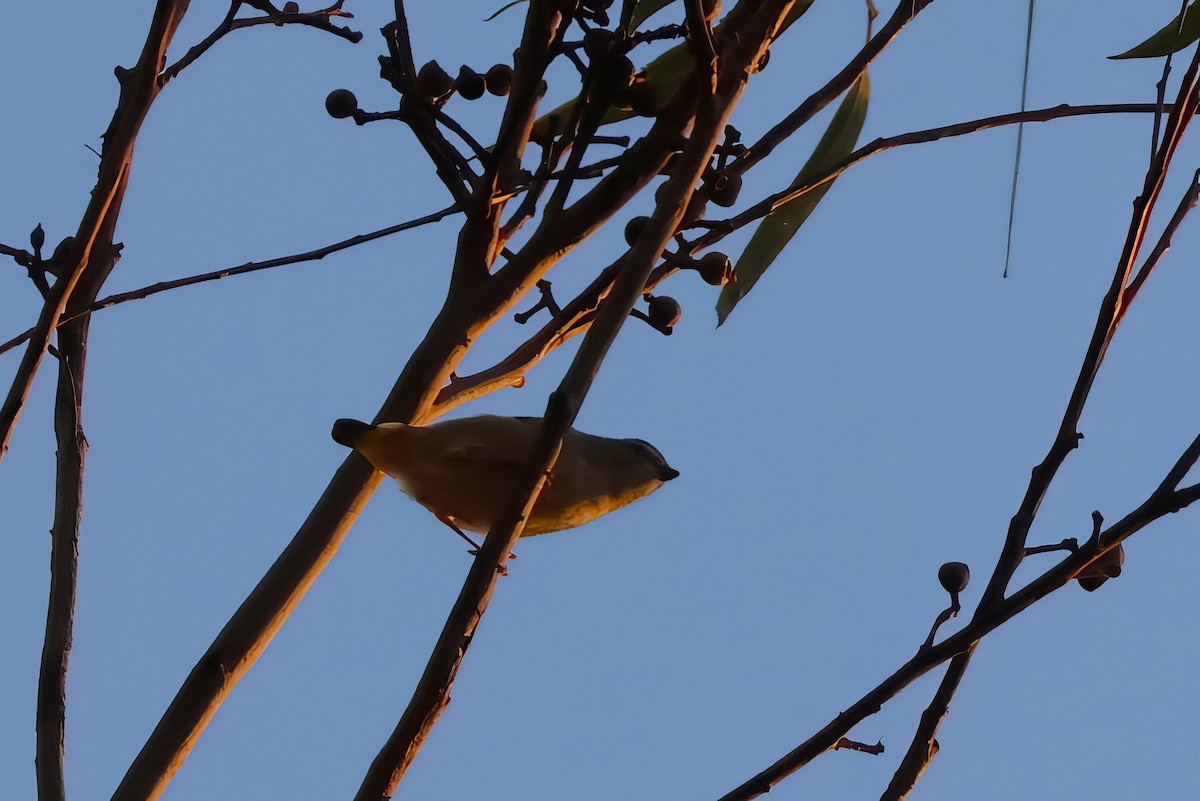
(21, 257)
(1160, 88)
(905, 12)
(248, 267)
(199, 49)
(1186, 204)
(572, 320)
(846, 744)
(272, 16)
(722, 228)
(1163, 501)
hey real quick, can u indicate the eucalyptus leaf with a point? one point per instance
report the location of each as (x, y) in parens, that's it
(1172, 38)
(647, 8)
(774, 232)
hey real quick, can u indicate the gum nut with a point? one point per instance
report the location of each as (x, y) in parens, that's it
(725, 188)
(291, 8)
(433, 81)
(664, 312)
(499, 79)
(341, 103)
(954, 577)
(634, 228)
(715, 268)
(469, 84)
(621, 72)
(598, 43)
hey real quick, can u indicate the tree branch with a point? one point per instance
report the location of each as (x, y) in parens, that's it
(272, 16)
(64, 563)
(249, 267)
(432, 694)
(139, 88)
(1163, 501)
(1186, 204)
(722, 228)
(1107, 320)
(994, 609)
(468, 310)
(905, 12)
(924, 746)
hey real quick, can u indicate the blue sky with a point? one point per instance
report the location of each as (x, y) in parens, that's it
(870, 411)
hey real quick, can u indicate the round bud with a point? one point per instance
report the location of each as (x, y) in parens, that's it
(644, 99)
(715, 268)
(60, 250)
(37, 237)
(543, 87)
(634, 228)
(954, 577)
(499, 79)
(619, 72)
(660, 193)
(724, 188)
(664, 312)
(598, 43)
(432, 81)
(469, 84)
(291, 8)
(341, 103)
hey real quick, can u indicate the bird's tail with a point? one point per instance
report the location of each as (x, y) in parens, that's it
(348, 432)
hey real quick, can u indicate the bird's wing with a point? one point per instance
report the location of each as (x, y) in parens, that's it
(484, 438)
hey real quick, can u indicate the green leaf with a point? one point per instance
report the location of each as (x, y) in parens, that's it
(647, 8)
(666, 75)
(781, 225)
(1172, 38)
(504, 8)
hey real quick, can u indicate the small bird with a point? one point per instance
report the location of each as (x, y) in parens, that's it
(464, 470)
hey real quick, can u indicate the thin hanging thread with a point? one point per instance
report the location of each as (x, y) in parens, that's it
(1012, 200)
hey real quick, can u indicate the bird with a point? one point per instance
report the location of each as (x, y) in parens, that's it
(464, 470)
